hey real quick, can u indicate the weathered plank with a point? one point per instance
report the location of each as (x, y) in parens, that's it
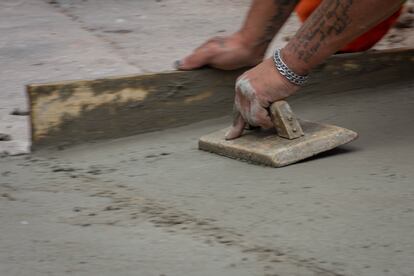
(73, 112)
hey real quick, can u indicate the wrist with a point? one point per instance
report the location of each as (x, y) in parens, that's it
(286, 71)
(294, 63)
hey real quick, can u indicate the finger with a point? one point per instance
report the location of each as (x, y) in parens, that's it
(237, 128)
(208, 42)
(242, 102)
(259, 115)
(198, 59)
(242, 105)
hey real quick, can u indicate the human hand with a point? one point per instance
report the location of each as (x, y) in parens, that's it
(227, 53)
(256, 90)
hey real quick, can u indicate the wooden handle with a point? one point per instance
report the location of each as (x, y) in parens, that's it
(285, 121)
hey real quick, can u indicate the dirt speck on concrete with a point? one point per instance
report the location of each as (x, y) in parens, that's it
(19, 112)
(5, 137)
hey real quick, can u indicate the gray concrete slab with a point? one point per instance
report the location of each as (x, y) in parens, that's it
(40, 243)
(348, 212)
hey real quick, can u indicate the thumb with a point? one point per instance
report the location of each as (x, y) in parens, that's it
(237, 128)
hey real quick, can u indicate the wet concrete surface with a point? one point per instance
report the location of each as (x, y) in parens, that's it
(154, 204)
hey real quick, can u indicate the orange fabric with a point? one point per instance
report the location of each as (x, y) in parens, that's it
(305, 8)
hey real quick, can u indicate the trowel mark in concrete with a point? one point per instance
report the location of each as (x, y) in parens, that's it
(126, 210)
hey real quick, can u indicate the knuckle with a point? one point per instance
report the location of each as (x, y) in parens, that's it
(238, 81)
(245, 87)
(254, 114)
(251, 120)
(237, 103)
(257, 121)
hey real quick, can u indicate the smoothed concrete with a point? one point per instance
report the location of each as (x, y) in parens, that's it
(347, 212)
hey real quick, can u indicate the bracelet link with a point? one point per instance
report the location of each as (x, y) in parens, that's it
(285, 71)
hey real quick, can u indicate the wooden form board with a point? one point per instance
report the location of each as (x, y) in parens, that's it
(77, 111)
(73, 112)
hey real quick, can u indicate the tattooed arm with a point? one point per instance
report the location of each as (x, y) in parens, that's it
(264, 20)
(247, 46)
(333, 24)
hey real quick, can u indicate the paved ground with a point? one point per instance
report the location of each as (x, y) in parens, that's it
(153, 204)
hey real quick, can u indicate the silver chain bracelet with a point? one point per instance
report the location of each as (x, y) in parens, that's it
(286, 72)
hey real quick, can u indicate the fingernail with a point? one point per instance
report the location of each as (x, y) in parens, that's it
(177, 64)
(232, 133)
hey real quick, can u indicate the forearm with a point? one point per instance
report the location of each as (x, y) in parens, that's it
(331, 26)
(264, 20)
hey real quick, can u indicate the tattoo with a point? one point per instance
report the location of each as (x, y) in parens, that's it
(330, 19)
(283, 10)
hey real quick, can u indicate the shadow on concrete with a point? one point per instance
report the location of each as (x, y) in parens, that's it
(330, 153)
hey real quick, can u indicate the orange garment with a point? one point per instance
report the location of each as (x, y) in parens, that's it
(305, 8)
